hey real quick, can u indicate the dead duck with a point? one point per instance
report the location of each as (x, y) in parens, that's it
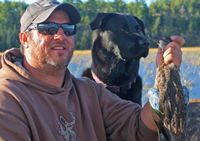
(168, 99)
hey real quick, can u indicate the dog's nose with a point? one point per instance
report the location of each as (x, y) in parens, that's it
(144, 43)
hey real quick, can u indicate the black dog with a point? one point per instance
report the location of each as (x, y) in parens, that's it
(117, 48)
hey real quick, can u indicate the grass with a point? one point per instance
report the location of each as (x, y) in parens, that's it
(189, 71)
(184, 49)
(88, 52)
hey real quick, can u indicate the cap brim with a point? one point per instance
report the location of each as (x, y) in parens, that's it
(71, 11)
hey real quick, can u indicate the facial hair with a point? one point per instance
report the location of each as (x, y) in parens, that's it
(45, 58)
(55, 63)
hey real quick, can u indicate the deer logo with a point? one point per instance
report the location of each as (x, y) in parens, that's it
(68, 126)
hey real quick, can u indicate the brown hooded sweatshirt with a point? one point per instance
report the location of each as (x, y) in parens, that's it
(82, 110)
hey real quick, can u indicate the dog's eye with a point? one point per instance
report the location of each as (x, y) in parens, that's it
(139, 30)
(123, 30)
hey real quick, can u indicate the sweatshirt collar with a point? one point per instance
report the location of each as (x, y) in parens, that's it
(13, 69)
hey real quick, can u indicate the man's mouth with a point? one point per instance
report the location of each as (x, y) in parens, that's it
(58, 48)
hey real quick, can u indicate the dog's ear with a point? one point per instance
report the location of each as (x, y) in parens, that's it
(99, 20)
(140, 23)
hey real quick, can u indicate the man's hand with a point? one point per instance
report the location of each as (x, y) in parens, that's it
(172, 51)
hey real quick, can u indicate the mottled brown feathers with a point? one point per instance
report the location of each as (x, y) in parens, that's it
(171, 97)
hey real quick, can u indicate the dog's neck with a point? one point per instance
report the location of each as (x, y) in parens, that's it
(116, 89)
(115, 72)
(97, 79)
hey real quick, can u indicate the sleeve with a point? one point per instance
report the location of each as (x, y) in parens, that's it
(145, 133)
(122, 119)
(13, 122)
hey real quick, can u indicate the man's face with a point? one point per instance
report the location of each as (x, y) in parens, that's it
(50, 51)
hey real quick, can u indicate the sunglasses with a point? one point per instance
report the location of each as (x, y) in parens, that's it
(50, 28)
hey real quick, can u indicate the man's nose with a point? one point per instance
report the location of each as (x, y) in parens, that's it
(60, 34)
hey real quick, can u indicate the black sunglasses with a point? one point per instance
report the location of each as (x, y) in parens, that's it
(50, 28)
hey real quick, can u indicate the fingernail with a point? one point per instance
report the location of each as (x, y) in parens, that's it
(183, 40)
(173, 37)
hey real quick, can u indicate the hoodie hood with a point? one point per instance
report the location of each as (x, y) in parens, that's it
(13, 69)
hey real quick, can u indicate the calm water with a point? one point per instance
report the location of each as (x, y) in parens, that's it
(189, 71)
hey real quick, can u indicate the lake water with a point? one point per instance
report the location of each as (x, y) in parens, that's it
(189, 71)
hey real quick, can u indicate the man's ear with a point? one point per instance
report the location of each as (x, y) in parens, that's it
(23, 39)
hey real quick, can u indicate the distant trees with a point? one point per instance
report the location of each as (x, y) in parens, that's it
(161, 18)
(10, 13)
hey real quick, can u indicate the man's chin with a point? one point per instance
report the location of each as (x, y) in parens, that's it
(58, 63)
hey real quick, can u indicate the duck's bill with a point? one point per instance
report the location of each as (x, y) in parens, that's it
(155, 39)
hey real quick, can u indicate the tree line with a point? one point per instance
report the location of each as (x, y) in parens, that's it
(161, 18)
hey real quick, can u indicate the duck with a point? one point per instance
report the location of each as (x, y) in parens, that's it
(168, 99)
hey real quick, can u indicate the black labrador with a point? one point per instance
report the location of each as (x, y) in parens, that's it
(118, 45)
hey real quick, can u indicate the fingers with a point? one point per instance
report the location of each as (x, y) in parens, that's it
(179, 40)
(172, 48)
(177, 59)
(173, 53)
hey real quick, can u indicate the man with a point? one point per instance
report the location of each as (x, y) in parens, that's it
(41, 101)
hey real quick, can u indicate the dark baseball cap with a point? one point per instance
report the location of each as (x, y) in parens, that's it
(39, 11)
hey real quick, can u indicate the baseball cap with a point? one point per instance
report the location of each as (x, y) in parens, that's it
(39, 11)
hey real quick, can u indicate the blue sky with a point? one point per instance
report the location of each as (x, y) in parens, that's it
(127, 1)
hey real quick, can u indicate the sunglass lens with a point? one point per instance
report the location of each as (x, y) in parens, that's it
(69, 29)
(52, 28)
(48, 29)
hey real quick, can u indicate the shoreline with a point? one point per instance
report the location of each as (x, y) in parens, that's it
(184, 49)
(88, 52)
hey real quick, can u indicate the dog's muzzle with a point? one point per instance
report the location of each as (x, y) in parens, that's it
(144, 43)
(140, 49)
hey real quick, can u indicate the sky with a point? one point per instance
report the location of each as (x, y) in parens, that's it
(127, 1)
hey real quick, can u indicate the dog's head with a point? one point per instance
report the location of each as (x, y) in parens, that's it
(123, 34)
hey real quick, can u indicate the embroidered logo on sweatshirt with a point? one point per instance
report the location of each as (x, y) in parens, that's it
(68, 128)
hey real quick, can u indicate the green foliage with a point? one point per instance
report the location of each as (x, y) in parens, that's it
(86, 40)
(10, 13)
(161, 18)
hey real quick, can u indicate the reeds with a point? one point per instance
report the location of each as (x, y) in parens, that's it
(189, 70)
